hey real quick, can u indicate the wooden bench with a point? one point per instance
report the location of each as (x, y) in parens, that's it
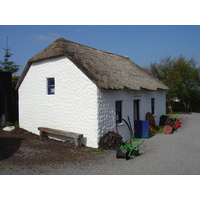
(76, 136)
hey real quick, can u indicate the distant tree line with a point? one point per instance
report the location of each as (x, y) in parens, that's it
(182, 76)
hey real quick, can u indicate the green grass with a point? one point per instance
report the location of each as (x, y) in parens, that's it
(5, 167)
(173, 116)
(97, 151)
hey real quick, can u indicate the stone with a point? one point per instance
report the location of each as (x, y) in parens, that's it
(8, 128)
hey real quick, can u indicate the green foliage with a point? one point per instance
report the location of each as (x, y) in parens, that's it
(6, 65)
(16, 124)
(14, 81)
(182, 77)
(159, 129)
(9, 123)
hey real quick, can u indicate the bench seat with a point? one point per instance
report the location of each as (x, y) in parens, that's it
(77, 136)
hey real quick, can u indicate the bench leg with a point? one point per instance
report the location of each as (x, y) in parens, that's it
(41, 134)
(77, 142)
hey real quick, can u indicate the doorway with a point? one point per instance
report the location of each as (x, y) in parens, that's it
(136, 111)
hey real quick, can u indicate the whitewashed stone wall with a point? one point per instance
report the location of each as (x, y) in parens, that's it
(73, 107)
(106, 102)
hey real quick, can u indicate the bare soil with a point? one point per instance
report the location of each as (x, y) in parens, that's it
(22, 148)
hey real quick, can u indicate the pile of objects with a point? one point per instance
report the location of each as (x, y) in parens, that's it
(111, 140)
(170, 124)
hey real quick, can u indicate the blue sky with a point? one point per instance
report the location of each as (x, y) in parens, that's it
(142, 43)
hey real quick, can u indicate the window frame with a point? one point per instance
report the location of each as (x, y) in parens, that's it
(50, 87)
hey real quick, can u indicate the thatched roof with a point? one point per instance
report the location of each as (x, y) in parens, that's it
(106, 70)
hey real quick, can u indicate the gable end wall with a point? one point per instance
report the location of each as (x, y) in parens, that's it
(72, 108)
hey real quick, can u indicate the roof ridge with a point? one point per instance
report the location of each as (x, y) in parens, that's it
(61, 39)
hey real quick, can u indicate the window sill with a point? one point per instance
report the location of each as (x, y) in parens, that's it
(120, 124)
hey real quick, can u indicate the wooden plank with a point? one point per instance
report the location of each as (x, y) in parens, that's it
(59, 132)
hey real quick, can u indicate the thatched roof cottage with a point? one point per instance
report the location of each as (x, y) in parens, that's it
(73, 87)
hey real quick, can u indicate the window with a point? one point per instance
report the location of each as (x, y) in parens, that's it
(136, 106)
(153, 106)
(118, 110)
(51, 86)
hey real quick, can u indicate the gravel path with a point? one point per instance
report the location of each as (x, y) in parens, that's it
(173, 154)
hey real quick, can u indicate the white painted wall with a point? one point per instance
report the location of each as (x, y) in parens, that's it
(106, 109)
(72, 108)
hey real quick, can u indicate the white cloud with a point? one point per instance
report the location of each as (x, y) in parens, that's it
(50, 37)
(78, 31)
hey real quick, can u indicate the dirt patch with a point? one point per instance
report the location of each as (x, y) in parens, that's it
(22, 148)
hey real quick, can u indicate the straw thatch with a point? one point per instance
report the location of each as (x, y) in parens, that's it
(106, 70)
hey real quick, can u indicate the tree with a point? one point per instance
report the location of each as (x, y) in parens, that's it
(182, 77)
(7, 65)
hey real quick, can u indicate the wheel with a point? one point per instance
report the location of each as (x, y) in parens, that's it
(152, 123)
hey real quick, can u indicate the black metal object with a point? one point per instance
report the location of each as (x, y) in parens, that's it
(5, 97)
(121, 154)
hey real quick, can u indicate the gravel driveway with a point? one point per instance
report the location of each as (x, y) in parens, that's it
(173, 154)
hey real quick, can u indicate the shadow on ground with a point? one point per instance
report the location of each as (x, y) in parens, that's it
(8, 146)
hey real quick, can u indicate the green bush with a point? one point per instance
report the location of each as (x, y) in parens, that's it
(9, 123)
(15, 124)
